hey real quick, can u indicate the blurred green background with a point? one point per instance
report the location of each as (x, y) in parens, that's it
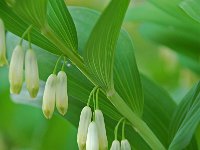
(24, 127)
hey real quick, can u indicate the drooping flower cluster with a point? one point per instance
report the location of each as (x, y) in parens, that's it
(3, 60)
(55, 92)
(91, 130)
(16, 70)
(125, 145)
(92, 134)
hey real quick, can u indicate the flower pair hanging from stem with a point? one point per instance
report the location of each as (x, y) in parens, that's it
(55, 92)
(56, 86)
(16, 69)
(124, 142)
(91, 130)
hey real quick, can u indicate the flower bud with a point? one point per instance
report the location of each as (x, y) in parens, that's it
(85, 119)
(3, 59)
(115, 145)
(99, 119)
(31, 73)
(125, 145)
(61, 93)
(92, 142)
(49, 96)
(16, 70)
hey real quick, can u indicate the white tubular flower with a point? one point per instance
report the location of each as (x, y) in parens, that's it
(16, 70)
(99, 119)
(92, 142)
(115, 145)
(31, 73)
(125, 145)
(3, 60)
(85, 119)
(61, 93)
(49, 96)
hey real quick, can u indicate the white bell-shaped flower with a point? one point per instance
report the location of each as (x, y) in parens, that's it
(31, 73)
(125, 145)
(16, 70)
(49, 96)
(85, 119)
(3, 60)
(92, 142)
(61, 93)
(99, 120)
(115, 145)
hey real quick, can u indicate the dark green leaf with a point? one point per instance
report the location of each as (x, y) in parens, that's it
(185, 120)
(100, 48)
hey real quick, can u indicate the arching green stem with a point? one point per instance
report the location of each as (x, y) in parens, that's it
(137, 123)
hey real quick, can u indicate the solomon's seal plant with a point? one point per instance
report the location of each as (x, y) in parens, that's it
(80, 53)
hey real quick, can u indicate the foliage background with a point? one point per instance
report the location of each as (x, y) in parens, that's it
(23, 127)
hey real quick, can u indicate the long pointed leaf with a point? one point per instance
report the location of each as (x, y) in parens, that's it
(186, 119)
(100, 48)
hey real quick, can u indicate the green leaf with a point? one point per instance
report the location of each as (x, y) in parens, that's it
(58, 17)
(18, 25)
(192, 8)
(173, 38)
(156, 99)
(100, 48)
(33, 11)
(185, 119)
(127, 74)
(165, 29)
(62, 24)
(172, 8)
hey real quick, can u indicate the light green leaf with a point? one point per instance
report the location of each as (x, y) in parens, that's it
(100, 48)
(192, 8)
(185, 119)
(163, 28)
(127, 74)
(33, 11)
(62, 24)
(172, 8)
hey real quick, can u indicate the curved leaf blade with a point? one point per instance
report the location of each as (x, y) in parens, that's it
(62, 24)
(100, 48)
(33, 11)
(127, 75)
(186, 119)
